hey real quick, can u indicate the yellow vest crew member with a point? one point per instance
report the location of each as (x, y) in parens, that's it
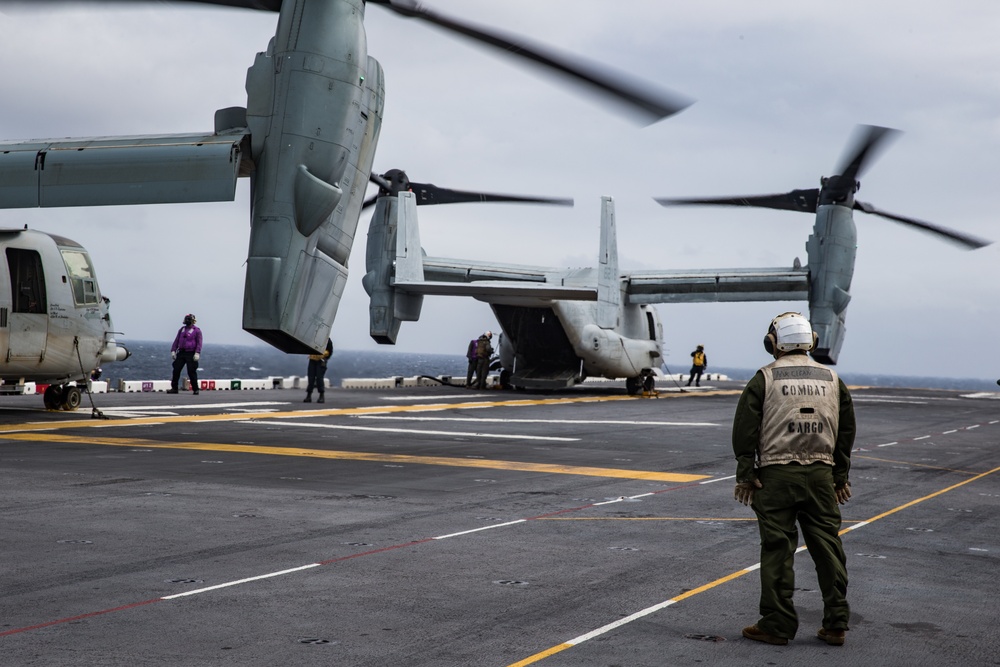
(699, 362)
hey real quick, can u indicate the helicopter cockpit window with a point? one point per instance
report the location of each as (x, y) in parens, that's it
(27, 281)
(81, 277)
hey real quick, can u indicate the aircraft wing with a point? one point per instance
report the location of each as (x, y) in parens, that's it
(103, 171)
(710, 285)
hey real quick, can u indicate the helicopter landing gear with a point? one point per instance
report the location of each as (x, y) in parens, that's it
(62, 397)
(633, 385)
(72, 397)
(52, 397)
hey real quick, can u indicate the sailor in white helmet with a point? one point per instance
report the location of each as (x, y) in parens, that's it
(792, 436)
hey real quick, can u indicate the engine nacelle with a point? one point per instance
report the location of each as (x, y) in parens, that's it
(314, 110)
(832, 249)
(385, 256)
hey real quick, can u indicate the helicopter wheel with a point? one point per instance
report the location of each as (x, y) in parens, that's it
(53, 397)
(633, 385)
(71, 399)
(504, 379)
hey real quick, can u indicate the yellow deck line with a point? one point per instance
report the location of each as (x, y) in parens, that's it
(361, 456)
(300, 414)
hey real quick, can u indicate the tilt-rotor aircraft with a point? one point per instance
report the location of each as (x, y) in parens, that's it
(55, 328)
(306, 140)
(561, 325)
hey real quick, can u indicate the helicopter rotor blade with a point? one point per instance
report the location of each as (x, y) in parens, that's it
(429, 194)
(967, 241)
(868, 143)
(651, 104)
(797, 200)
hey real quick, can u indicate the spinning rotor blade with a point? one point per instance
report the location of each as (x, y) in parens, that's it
(967, 241)
(869, 140)
(428, 194)
(796, 200)
(649, 103)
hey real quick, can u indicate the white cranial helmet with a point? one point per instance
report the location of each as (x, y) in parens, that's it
(789, 331)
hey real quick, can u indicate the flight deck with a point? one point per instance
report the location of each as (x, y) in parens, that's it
(445, 527)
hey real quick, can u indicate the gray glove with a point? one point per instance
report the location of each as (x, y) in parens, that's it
(173, 355)
(197, 356)
(744, 491)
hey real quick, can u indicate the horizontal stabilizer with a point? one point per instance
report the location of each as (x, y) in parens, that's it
(499, 289)
(711, 285)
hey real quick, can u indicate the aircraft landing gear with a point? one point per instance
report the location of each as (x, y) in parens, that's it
(633, 385)
(62, 397)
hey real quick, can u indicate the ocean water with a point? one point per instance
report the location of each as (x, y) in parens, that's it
(150, 360)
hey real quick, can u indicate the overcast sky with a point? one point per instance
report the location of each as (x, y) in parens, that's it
(779, 87)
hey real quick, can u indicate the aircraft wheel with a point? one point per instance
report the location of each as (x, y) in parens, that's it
(71, 399)
(53, 397)
(505, 379)
(633, 385)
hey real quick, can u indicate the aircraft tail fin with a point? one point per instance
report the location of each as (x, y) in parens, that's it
(609, 293)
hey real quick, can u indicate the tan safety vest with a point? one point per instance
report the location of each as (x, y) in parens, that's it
(699, 358)
(801, 412)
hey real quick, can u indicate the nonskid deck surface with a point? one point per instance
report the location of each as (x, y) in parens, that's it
(442, 526)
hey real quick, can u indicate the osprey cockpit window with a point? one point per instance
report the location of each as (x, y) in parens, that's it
(80, 272)
(27, 281)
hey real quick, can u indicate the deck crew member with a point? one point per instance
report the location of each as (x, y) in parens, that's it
(792, 436)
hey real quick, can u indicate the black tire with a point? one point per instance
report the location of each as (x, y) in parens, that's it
(72, 397)
(633, 385)
(53, 397)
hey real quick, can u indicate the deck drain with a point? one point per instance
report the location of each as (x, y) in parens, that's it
(316, 641)
(357, 544)
(75, 541)
(869, 555)
(184, 581)
(622, 549)
(705, 638)
(510, 582)
(245, 516)
(921, 530)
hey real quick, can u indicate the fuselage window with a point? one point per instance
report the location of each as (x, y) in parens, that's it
(81, 277)
(27, 281)
(652, 325)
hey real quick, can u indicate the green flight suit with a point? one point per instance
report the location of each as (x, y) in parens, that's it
(793, 493)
